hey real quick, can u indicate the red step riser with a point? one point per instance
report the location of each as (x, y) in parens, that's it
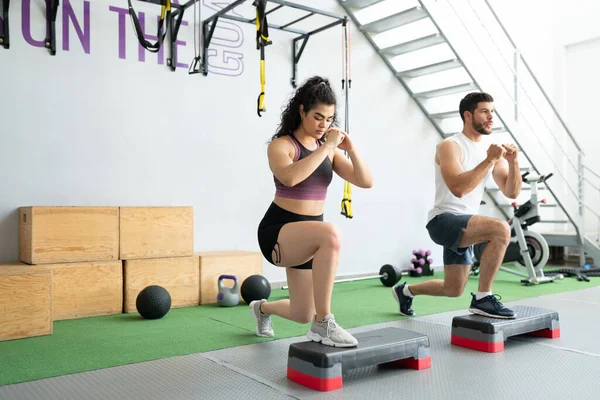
(488, 347)
(547, 333)
(323, 385)
(421, 363)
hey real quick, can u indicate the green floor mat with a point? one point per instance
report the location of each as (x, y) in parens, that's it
(93, 343)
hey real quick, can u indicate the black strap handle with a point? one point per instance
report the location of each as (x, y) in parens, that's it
(151, 47)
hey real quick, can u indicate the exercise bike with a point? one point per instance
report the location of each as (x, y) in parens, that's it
(526, 247)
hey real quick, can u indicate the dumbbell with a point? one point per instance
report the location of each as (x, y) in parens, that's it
(421, 253)
(388, 274)
(391, 275)
(419, 261)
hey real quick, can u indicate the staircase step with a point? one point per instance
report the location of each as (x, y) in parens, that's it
(447, 114)
(358, 4)
(561, 239)
(592, 249)
(413, 45)
(463, 87)
(396, 20)
(427, 55)
(541, 205)
(522, 188)
(496, 129)
(430, 69)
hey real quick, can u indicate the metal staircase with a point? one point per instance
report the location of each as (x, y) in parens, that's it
(440, 50)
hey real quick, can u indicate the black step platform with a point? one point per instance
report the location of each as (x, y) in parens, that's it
(321, 367)
(488, 334)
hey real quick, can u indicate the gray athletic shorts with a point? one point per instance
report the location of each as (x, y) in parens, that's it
(446, 230)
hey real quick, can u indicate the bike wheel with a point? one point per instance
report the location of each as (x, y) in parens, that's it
(538, 249)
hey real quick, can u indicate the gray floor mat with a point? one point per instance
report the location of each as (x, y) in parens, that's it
(176, 378)
(591, 295)
(529, 368)
(506, 375)
(578, 319)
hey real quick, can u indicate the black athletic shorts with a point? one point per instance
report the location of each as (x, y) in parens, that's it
(269, 227)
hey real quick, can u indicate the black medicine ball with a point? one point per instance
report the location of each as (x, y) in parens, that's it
(153, 302)
(255, 287)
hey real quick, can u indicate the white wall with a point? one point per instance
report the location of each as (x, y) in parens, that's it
(581, 60)
(91, 128)
(560, 24)
(543, 30)
(531, 24)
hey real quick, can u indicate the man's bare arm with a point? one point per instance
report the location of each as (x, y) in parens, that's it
(462, 182)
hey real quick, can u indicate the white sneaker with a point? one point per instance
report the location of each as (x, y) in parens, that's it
(264, 327)
(330, 333)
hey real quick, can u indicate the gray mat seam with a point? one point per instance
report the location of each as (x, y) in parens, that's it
(432, 322)
(250, 375)
(541, 343)
(578, 301)
(233, 325)
(523, 339)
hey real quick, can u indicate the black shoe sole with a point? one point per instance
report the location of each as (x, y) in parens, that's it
(398, 301)
(483, 313)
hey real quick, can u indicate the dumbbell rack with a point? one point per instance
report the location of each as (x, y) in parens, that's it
(421, 263)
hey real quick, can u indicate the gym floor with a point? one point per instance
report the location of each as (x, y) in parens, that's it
(528, 368)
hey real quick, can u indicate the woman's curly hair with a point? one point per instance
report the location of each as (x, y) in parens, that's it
(312, 92)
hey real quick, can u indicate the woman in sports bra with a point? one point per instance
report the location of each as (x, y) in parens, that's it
(303, 155)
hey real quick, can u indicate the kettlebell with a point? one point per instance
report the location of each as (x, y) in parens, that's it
(228, 296)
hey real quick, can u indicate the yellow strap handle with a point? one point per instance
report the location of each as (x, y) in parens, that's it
(261, 96)
(265, 38)
(347, 200)
(165, 8)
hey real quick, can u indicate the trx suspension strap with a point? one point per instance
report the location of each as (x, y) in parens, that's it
(166, 11)
(346, 83)
(195, 64)
(262, 40)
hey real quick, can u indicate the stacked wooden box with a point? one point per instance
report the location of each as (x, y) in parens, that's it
(157, 248)
(90, 261)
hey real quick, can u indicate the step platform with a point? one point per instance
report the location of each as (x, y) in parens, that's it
(488, 334)
(322, 367)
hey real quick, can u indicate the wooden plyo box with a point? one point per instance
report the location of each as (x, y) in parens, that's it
(178, 275)
(79, 290)
(68, 234)
(155, 232)
(82, 290)
(240, 263)
(25, 302)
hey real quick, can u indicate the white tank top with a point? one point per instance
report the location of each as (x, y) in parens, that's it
(473, 153)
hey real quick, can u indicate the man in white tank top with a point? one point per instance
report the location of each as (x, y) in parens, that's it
(463, 164)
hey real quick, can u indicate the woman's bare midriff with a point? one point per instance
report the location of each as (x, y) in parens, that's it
(302, 207)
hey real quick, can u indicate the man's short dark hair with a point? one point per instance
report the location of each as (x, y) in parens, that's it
(470, 102)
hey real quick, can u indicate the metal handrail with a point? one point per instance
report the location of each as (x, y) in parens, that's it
(592, 210)
(533, 75)
(525, 91)
(568, 214)
(590, 170)
(441, 32)
(525, 120)
(591, 184)
(540, 88)
(576, 218)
